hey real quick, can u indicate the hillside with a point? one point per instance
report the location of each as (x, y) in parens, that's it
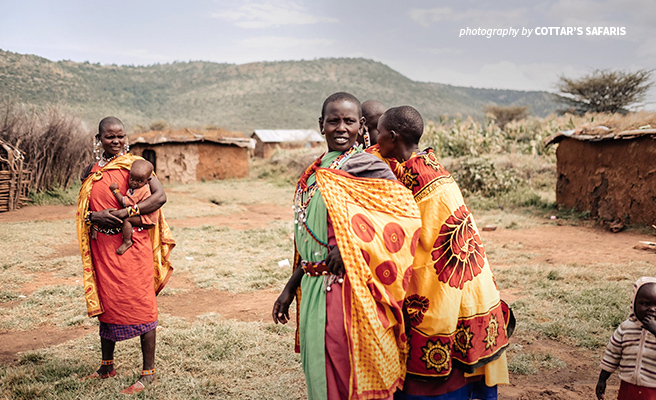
(285, 94)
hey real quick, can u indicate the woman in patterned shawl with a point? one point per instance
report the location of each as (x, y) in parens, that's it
(120, 289)
(352, 239)
(458, 325)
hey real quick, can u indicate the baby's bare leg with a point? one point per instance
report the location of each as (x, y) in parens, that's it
(127, 236)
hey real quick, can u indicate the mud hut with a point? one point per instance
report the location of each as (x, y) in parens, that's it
(186, 156)
(15, 178)
(611, 175)
(268, 140)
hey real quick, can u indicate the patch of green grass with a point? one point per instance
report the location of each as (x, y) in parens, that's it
(211, 358)
(573, 304)
(56, 196)
(59, 305)
(532, 363)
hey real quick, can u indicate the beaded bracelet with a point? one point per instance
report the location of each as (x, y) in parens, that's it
(133, 210)
(87, 216)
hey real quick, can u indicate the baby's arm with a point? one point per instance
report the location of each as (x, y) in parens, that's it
(114, 188)
(601, 384)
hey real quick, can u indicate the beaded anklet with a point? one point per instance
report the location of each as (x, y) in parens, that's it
(107, 362)
(147, 372)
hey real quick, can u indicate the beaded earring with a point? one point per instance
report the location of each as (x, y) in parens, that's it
(96, 149)
(126, 147)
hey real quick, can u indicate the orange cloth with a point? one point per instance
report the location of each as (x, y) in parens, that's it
(134, 197)
(105, 275)
(376, 223)
(453, 303)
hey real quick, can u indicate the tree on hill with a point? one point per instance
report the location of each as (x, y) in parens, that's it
(505, 114)
(604, 91)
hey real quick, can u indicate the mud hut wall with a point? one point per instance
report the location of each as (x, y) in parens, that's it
(218, 161)
(259, 147)
(176, 162)
(613, 179)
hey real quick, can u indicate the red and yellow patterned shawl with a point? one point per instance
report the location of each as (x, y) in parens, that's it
(160, 236)
(377, 225)
(453, 303)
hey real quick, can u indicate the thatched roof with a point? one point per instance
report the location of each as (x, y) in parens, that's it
(598, 134)
(190, 136)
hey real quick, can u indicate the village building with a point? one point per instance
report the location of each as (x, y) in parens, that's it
(610, 175)
(268, 140)
(185, 156)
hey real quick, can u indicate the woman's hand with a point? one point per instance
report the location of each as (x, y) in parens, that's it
(105, 218)
(280, 312)
(334, 262)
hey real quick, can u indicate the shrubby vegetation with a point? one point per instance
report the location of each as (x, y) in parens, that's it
(56, 146)
(511, 167)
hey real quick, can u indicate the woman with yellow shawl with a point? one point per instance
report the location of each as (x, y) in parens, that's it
(120, 289)
(353, 232)
(458, 325)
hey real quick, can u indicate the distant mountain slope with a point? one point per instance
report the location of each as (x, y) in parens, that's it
(285, 94)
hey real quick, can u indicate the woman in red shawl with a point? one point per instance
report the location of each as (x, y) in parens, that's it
(121, 289)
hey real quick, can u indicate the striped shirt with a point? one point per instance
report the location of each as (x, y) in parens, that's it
(632, 349)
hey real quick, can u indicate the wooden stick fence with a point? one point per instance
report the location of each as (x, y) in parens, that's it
(15, 180)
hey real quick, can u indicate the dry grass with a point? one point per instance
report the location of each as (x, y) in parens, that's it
(232, 260)
(619, 122)
(211, 358)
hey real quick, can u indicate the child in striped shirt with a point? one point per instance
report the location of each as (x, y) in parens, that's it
(632, 348)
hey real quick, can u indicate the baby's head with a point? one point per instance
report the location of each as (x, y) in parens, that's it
(140, 173)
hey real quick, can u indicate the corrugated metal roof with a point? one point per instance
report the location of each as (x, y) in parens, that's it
(578, 135)
(189, 136)
(287, 135)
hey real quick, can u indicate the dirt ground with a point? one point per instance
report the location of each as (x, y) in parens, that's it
(553, 244)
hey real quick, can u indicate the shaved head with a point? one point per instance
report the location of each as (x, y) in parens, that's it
(372, 111)
(373, 108)
(141, 168)
(405, 121)
(108, 121)
(341, 96)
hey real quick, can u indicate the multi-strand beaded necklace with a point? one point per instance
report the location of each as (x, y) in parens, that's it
(305, 192)
(105, 160)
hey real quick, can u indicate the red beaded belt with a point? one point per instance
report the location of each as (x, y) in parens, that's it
(317, 268)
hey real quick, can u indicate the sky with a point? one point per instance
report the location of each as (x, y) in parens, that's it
(464, 43)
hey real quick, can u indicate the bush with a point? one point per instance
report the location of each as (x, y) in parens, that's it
(479, 176)
(505, 114)
(159, 125)
(56, 146)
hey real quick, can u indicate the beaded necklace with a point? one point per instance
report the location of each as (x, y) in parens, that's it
(104, 160)
(305, 192)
